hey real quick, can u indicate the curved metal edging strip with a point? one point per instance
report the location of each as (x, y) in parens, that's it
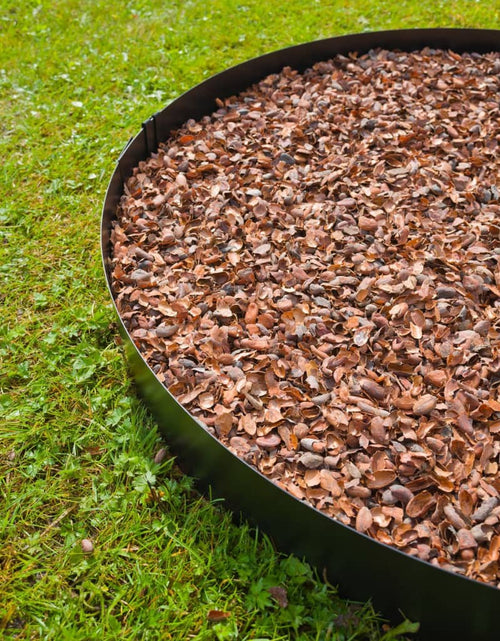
(447, 605)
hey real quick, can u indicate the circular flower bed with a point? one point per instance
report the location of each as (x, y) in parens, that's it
(313, 271)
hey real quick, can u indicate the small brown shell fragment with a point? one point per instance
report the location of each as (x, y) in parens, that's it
(484, 510)
(279, 593)
(373, 389)
(380, 479)
(140, 274)
(160, 455)
(87, 546)
(455, 519)
(240, 445)
(166, 331)
(388, 498)
(437, 377)
(312, 445)
(367, 223)
(364, 520)
(466, 501)
(269, 442)
(224, 422)
(311, 461)
(465, 539)
(251, 313)
(312, 478)
(206, 400)
(420, 504)
(370, 409)
(401, 493)
(329, 483)
(481, 533)
(424, 405)
(482, 327)
(358, 491)
(248, 424)
(465, 424)
(378, 430)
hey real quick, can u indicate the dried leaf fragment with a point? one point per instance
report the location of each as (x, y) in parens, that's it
(217, 615)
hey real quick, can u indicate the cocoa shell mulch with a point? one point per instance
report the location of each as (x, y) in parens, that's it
(313, 271)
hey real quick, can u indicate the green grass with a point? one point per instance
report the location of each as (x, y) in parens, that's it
(77, 447)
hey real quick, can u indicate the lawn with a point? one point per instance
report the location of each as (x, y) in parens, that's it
(80, 457)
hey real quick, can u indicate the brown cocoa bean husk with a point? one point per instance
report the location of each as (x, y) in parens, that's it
(380, 479)
(373, 389)
(420, 504)
(401, 493)
(436, 377)
(465, 539)
(364, 520)
(485, 509)
(454, 517)
(424, 405)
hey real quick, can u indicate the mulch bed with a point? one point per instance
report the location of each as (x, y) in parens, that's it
(313, 271)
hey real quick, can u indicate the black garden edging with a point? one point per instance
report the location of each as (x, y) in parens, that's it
(448, 606)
